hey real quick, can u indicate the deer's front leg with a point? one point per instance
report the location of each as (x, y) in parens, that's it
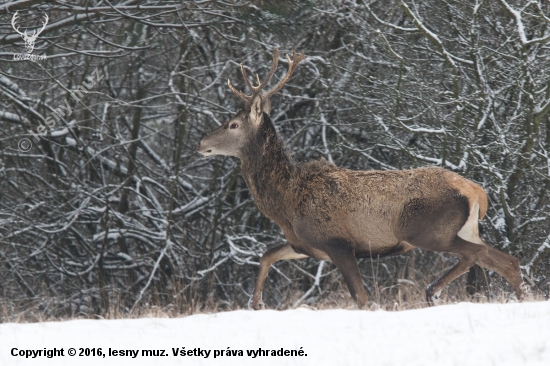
(271, 256)
(342, 255)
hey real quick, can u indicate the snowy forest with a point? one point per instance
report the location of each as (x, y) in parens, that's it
(106, 206)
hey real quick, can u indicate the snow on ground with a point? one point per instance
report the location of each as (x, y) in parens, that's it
(462, 334)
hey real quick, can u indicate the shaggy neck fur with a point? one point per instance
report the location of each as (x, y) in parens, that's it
(267, 170)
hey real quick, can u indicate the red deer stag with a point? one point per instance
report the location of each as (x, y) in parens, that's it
(338, 214)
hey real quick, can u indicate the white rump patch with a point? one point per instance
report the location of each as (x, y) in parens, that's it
(470, 230)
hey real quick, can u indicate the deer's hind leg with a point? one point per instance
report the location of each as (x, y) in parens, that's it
(271, 256)
(469, 253)
(505, 265)
(446, 226)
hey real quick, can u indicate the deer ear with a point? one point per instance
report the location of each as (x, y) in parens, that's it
(256, 111)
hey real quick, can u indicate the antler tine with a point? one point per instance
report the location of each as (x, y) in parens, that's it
(245, 77)
(242, 96)
(255, 89)
(261, 85)
(271, 71)
(292, 65)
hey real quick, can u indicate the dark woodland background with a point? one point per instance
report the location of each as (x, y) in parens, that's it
(114, 211)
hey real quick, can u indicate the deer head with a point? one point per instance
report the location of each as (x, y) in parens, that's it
(29, 40)
(233, 134)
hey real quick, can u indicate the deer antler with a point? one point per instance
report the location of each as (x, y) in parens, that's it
(292, 65)
(261, 85)
(255, 89)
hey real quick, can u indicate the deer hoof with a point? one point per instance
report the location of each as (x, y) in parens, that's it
(256, 304)
(433, 298)
(524, 292)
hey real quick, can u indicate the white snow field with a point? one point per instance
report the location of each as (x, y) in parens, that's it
(461, 334)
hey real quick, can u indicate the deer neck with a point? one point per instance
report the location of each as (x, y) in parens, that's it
(267, 171)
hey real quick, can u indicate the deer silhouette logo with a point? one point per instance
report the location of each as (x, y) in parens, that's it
(29, 40)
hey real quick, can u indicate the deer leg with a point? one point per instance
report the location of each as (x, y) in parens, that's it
(343, 257)
(506, 266)
(271, 256)
(470, 253)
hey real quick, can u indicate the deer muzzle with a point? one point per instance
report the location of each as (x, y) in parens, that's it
(204, 149)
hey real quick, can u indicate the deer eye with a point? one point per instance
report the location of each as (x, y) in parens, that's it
(234, 125)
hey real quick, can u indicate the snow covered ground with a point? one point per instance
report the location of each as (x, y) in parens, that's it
(462, 334)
